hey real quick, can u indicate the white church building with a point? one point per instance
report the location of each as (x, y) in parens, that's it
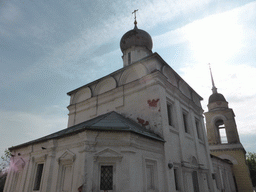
(138, 129)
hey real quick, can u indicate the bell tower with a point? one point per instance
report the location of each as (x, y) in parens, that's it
(223, 137)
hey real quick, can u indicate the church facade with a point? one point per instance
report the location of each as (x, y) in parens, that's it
(139, 128)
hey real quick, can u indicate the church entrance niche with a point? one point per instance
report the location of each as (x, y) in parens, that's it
(221, 131)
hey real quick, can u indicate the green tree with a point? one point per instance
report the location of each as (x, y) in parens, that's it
(5, 160)
(251, 162)
(4, 165)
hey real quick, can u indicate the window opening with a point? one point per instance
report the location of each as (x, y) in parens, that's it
(38, 177)
(195, 181)
(221, 131)
(176, 178)
(66, 178)
(129, 58)
(150, 177)
(169, 113)
(198, 129)
(185, 122)
(234, 178)
(106, 178)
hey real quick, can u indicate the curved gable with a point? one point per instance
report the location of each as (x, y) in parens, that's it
(196, 99)
(81, 95)
(105, 85)
(183, 87)
(133, 73)
(170, 75)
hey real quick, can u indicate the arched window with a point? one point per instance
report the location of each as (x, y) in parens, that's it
(221, 131)
(129, 58)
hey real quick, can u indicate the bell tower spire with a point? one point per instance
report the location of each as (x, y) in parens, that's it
(214, 89)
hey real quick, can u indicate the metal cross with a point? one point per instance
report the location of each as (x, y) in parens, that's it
(135, 13)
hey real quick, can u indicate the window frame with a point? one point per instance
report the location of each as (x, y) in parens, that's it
(170, 114)
(185, 120)
(195, 181)
(112, 178)
(154, 176)
(129, 55)
(176, 178)
(37, 185)
(198, 128)
(171, 111)
(61, 176)
(220, 126)
(113, 164)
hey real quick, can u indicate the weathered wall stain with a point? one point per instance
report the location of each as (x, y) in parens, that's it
(142, 122)
(153, 103)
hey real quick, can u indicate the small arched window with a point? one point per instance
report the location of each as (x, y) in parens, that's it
(221, 131)
(129, 58)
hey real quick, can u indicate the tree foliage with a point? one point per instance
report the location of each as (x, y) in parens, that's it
(251, 162)
(5, 160)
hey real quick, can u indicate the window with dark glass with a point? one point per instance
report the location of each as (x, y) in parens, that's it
(176, 178)
(198, 129)
(129, 58)
(169, 113)
(195, 181)
(38, 177)
(185, 121)
(106, 177)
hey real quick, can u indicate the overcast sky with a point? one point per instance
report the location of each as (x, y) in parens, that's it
(48, 48)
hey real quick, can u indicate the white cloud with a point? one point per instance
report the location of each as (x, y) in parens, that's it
(83, 44)
(174, 37)
(235, 82)
(65, 58)
(151, 14)
(18, 127)
(216, 38)
(221, 39)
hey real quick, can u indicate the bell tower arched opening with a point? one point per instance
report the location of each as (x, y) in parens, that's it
(221, 129)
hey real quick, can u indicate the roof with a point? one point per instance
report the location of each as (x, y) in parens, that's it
(111, 121)
(216, 97)
(136, 37)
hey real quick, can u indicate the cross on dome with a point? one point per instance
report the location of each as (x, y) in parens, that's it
(134, 12)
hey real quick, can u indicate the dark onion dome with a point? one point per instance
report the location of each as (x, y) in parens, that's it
(216, 97)
(136, 37)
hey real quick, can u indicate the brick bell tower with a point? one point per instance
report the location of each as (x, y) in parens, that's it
(224, 140)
